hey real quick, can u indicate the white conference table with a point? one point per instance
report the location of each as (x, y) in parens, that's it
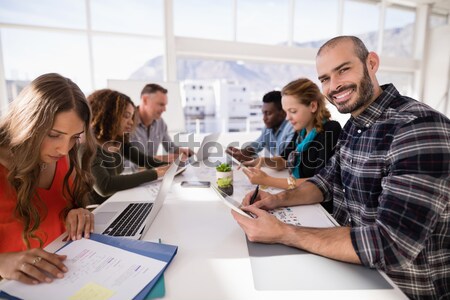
(213, 261)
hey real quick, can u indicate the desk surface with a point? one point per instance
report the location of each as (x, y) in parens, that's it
(213, 260)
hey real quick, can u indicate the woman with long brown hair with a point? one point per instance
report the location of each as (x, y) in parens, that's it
(44, 181)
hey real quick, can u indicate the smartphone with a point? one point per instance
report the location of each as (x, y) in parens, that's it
(197, 184)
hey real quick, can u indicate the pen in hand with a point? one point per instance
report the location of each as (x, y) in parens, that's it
(255, 194)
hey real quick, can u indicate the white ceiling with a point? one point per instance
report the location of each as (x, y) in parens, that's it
(443, 4)
(438, 6)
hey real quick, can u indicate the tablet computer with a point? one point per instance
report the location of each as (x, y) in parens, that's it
(231, 203)
(241, 165)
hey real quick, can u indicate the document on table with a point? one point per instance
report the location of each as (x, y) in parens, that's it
(96, 271)
(313, 215)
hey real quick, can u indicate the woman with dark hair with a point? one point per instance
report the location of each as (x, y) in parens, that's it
(313, 143)
(112, 122)
(44, 178)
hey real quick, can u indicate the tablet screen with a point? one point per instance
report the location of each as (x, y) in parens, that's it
(231, 203)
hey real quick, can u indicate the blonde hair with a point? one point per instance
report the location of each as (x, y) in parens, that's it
(306, 91)
(22, 130)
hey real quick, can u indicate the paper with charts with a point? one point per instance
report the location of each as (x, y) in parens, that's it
(96, 271)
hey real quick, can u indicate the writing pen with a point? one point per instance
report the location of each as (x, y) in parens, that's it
(255, 194)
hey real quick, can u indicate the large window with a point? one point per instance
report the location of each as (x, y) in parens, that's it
(362, 19)
(403, 81)
(126, 40)
(203, 19)
(262, 21)
(30, 53)
(259, 45)
(437, 20)
(126, 58)
(398, 32)
(225, 95)
(132, 16)
(51, 13)
(315, 22)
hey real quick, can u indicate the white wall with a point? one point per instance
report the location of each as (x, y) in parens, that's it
(174, 116)
(437, 70)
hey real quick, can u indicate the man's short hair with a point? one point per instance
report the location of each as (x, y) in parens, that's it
(152, 88)
(359, 47)
(273, 97)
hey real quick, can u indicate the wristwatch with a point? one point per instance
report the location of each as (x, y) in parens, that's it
(292, 183)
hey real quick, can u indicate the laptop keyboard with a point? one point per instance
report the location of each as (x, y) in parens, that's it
(129, 221)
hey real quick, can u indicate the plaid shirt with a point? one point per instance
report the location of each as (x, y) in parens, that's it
(390, 181)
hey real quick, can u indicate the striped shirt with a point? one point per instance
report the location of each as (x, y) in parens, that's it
(390, 181)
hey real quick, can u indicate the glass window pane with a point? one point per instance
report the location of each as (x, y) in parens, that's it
(315, 22)
(133, 16)
(403, 81)
(30, 53)
(52, 13)
(398, 32)
(361, 19)
(264, 22)
(437, 20)
(226, 95)
(203, 19)
(126, 58)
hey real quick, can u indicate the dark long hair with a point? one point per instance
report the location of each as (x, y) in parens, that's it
(108, 107)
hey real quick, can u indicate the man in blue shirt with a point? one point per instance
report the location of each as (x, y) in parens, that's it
(274, 137)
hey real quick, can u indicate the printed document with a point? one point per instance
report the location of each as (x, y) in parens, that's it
(96, 271)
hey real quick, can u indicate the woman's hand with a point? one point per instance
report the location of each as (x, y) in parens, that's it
(256, 176)
(161, 171)
(79, 221)
(32, 266)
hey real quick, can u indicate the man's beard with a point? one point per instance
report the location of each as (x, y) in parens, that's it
(365, 94)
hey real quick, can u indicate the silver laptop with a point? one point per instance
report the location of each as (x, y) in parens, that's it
(132, 219)
(202, 154)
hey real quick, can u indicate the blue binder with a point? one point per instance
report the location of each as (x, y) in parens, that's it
(158, 251)
(162, 252)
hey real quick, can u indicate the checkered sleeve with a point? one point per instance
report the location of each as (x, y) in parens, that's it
(414, 199)
(324, 179)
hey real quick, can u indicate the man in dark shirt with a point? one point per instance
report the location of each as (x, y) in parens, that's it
(389, 180)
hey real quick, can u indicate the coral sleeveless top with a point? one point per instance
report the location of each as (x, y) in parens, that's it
(51, 225)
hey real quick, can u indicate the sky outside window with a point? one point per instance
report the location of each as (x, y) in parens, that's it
(132, 16)
(398, 27)
(203, 19)
(315, 20)
(361, 19)
(120, 57)
(29, 53)
(262, 21)
(52, 13)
